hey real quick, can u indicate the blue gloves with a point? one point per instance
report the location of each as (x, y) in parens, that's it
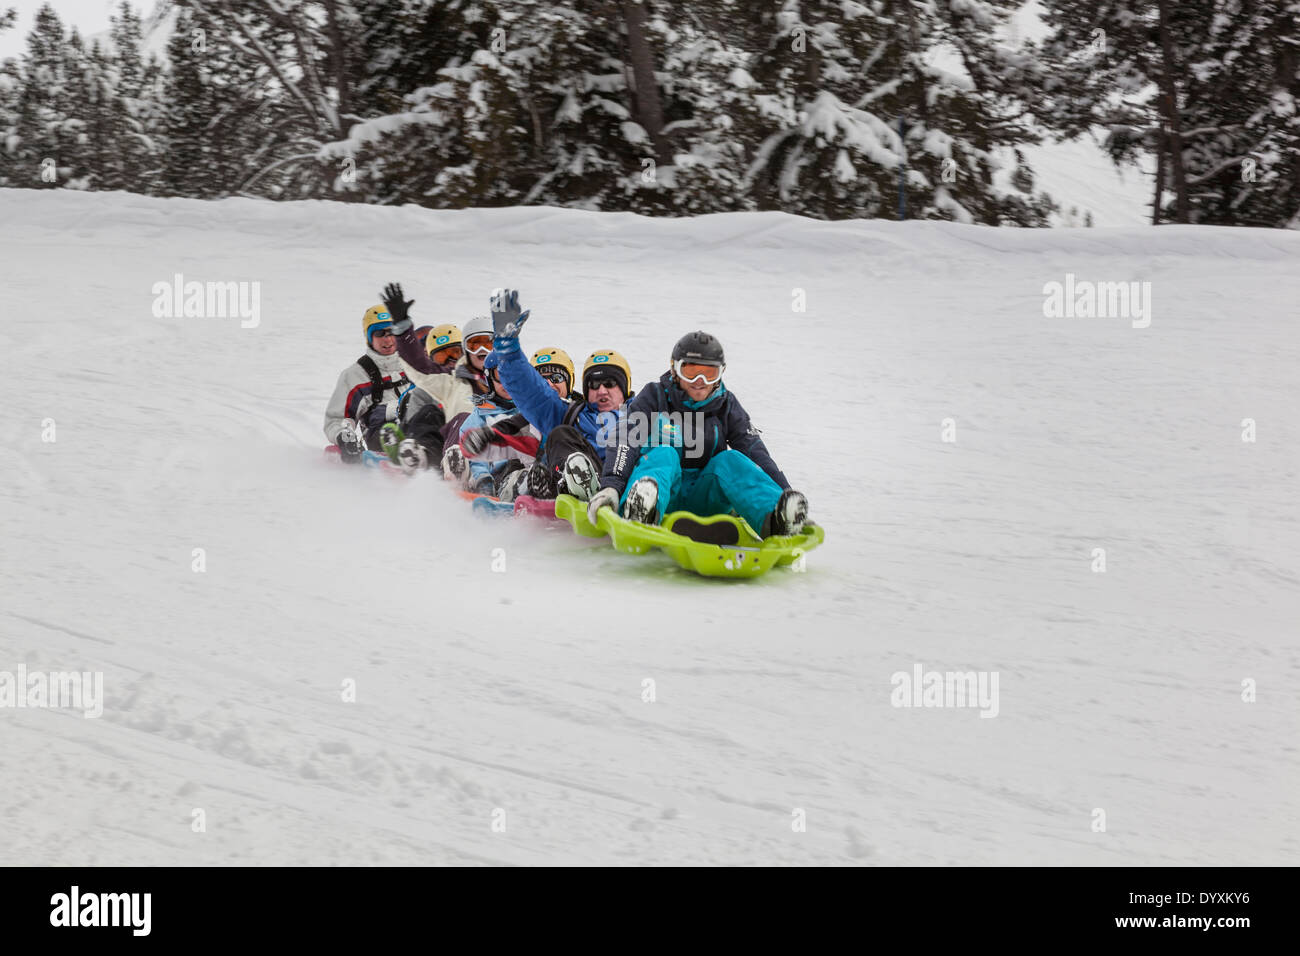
(507, 320)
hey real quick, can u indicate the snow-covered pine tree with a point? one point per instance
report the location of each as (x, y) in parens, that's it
(131, 86)
(88, 106)
(1122, 65)
(287, 90)
(10, 85)
(706, 87)
(573, 76)
(629, 105)
(404, 43)
(1242, 131)
(436, 112)
(45, 140)
(152, 120)
(835, 80)
(536, 107)
(189, 107)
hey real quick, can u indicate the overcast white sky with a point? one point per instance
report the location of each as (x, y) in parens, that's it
(88, 16)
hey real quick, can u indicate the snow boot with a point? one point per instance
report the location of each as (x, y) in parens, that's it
(512, 481)
(453, 463)
(789, 515)
(542, 481)
(412, 456)
(642, 499)
(515, 484)
(580, 478)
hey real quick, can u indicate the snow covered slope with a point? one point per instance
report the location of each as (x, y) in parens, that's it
(517, 695)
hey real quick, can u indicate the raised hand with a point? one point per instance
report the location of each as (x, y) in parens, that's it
(507, 319)
(397, 307)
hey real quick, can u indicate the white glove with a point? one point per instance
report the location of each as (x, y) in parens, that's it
(348, 442)
(604, 498)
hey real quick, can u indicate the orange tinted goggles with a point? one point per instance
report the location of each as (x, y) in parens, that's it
(698, 374)
(478, 344)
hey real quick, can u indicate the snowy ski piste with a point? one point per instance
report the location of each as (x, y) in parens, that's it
(1053, 620)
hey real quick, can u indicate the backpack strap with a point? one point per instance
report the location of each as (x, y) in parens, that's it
(572, 412)
(377, 383)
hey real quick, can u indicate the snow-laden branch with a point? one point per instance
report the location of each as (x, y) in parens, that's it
(1220, 167)
(278, 163)
(262, 53)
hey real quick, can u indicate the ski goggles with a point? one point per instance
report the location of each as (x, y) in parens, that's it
(448, 353)
(478, 344)
(696, 374)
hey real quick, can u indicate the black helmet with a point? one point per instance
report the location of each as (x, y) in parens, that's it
(699, 348)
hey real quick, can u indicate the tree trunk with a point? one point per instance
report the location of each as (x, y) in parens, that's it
(914, 48)
(646, 105)
(340, 66)
(1160, 176)
(1169, 101)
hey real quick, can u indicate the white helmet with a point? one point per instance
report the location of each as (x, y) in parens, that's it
(478, 325)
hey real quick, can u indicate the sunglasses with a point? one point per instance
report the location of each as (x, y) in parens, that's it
(695, 374)
(447, 354)
(605, 382)
(556, 377)
(479, 344)
(383, 334)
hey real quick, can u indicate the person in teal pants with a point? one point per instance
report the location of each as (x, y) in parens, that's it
(687, 444)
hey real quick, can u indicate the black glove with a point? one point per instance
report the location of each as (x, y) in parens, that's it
(397, 308)
(510, 426)
(476, 440)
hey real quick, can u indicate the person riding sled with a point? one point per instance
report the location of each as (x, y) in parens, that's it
(516, 432)
(422, 412)
(496, 464)
(448, 368)
(570, 457)
(366, 396)
(687, 444)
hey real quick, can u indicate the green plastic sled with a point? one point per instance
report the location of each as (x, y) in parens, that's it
(720, 546)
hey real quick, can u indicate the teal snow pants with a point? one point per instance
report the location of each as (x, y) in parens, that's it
(731, 481)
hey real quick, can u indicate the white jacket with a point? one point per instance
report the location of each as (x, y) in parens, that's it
(454, 393)
(352, 398)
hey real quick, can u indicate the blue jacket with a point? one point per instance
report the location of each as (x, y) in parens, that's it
(544, 409)
(724, 423)
(489, 409)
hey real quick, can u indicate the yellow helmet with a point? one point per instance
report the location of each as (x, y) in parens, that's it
(607, 360)
(443, 336)
(376, 318)
(557, 357)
